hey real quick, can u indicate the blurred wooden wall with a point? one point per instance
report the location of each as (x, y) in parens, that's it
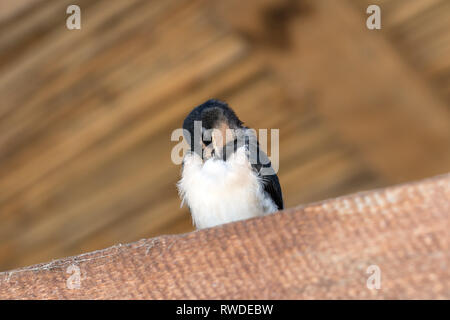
(86, 116)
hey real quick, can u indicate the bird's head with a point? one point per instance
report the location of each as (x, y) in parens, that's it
(210, 126)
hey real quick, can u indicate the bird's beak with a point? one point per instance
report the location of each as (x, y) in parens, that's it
(208, 151)
(221, 136)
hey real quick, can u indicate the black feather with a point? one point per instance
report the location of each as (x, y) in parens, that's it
(270, 181)
(273, 189)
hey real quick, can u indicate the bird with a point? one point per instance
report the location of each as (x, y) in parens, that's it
(225, 176)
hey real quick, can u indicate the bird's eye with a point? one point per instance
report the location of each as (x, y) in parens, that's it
(206, 142)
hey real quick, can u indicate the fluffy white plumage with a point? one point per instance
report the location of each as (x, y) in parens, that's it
(219, 192)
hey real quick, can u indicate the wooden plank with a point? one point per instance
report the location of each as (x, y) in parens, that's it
(85, 130)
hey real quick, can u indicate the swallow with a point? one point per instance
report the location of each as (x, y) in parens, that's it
(225, 176)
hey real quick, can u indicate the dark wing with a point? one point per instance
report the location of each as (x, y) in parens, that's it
(273, 188)
(261, 164)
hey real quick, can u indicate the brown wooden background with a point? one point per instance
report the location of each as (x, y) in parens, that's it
(86, 116)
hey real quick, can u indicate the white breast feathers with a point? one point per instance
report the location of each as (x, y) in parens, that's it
(219, 192)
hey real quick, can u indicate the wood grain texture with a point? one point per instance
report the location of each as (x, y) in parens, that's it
(86, 116)
(315, 251)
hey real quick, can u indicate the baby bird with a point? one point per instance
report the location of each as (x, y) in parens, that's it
(225, 175)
